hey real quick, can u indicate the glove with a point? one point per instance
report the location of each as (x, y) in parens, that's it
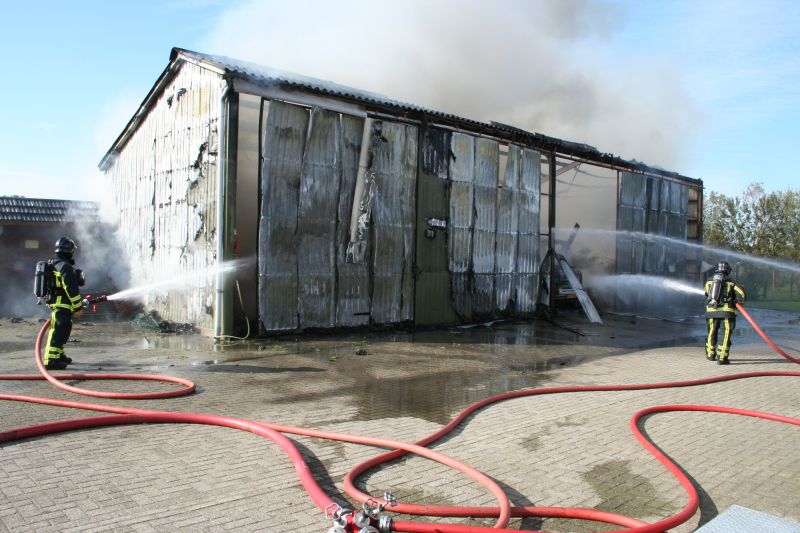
(77, 314)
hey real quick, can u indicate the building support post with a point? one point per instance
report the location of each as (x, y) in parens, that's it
(551, 223)
(226, 198)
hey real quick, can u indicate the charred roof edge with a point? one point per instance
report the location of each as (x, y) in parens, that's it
(232, 69)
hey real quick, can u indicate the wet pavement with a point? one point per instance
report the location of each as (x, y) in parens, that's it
(399, 384)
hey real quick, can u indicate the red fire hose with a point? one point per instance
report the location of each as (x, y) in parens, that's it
(325, 502)
(764, 335)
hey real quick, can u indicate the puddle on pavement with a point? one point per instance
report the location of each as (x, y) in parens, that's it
(435, 398)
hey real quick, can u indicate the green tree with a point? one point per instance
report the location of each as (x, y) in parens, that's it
(755, 223)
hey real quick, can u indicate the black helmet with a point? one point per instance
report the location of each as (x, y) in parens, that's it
(65, 246)
(724, 268)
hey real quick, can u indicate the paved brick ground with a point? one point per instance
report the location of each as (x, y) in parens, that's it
(566, 450)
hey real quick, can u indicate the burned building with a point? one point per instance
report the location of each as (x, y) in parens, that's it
(348, 208)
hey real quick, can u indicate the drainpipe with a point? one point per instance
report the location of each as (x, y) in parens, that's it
(221, 298)
(358, 194)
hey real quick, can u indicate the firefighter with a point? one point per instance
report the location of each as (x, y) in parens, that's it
(66, 304)
(722, 295)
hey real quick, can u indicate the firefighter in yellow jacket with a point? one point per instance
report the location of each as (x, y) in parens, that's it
(66, 303)
(722, 295)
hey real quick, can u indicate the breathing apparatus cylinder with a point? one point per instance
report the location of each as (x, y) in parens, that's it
(715, 291)
(43, 283)
(39, 282)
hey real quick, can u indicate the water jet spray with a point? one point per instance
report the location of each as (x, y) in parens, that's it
(187, 279)
(662, 239)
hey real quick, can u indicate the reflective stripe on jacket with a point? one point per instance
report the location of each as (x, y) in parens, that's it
(730, 294)
(68, 294)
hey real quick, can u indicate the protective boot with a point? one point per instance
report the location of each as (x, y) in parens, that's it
(56, 364)
(723, 361)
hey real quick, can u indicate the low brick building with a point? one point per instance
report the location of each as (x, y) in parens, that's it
(29, 228)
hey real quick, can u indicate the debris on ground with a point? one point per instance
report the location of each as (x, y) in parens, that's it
(152, 320)
(361, 351)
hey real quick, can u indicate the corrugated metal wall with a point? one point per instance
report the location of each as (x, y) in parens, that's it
(479, 260)
(462, 176)
(393, 215)
(309, 173)
(656, 206)
(164, 183)
(494, 228)
(507, 236)
(651, 205)
(528, 231)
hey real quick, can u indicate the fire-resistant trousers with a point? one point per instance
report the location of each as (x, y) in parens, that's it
(60, 329)
(723, 348)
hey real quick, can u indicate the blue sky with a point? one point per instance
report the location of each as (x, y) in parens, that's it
(716, 83)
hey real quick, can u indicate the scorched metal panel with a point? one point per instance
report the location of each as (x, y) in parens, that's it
(507, 229)
(462, 175)
(164, 183)
(528, 240)
(316, 222)
(395, 166)
(284, 144)
(353, 301)
(487, 155)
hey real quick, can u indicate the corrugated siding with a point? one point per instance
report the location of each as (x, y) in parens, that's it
(316, 222)
(656, 224)
(507, 231)
(164, 183)
(528, 234)
(393, 217)
(284, 144)
(487, 155)
(651, 205)
(476, 246)
(462, 175)
(353, 299)
(676, 227)
(494, 231)
(631, 218)
(309, 180)
(656, 206)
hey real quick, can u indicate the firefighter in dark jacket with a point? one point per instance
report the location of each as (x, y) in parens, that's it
(722, 295)
(66, 305)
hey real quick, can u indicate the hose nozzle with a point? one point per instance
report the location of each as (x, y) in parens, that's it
(94, 300)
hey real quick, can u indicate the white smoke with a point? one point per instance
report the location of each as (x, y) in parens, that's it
(544, 66)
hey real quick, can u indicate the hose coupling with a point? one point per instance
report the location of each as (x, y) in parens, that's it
(339, 517)
(391, 501)
(368, 529)
(362, 519)
(385, 524)
(371, 508)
